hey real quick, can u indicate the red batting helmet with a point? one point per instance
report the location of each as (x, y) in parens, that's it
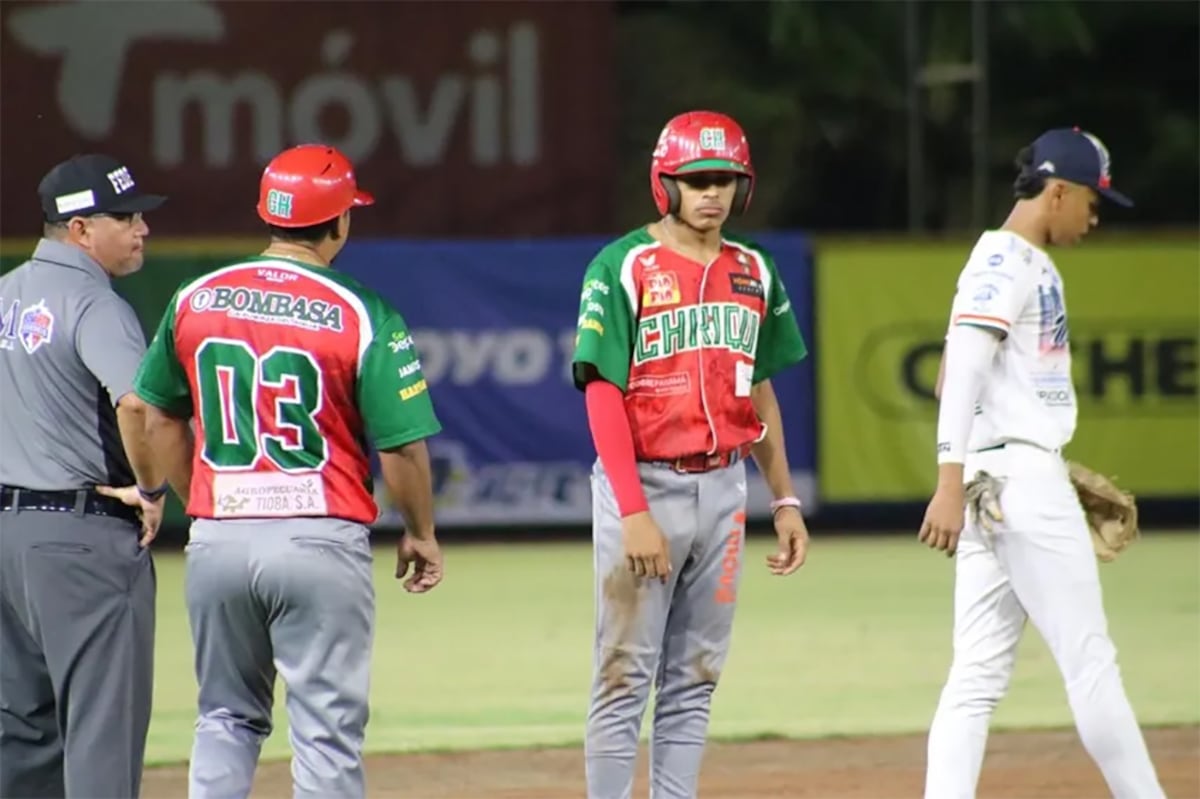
(700, 141)
(307, 185)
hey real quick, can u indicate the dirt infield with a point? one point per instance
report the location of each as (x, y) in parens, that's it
(1029, 765)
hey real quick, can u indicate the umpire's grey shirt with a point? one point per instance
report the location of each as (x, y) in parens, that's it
(69, 350)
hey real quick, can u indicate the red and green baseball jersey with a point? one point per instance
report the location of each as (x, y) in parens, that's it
(685, 341)
(287, 369)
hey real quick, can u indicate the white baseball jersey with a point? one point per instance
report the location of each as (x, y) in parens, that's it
(1011, 286)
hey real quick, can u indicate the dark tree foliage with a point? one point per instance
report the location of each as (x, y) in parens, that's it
(822, 89)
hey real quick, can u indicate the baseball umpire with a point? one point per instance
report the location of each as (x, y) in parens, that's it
(76, 579)
(288, 368)
(681, 327)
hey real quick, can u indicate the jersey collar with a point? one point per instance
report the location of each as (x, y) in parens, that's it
(70, 256)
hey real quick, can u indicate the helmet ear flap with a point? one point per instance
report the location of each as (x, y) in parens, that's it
(741, 194)
(672, 190)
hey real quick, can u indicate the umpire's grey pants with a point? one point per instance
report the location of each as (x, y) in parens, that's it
(76, 655)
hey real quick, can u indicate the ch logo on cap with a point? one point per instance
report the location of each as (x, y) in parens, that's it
(120, 179)
(712, 138)
(279, 203)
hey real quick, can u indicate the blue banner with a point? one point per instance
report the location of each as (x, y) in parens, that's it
(494, 323)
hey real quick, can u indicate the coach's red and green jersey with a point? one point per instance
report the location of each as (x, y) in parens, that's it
(685, 341)
(288, 369)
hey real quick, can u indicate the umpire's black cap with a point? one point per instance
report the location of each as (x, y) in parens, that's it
(85, 185)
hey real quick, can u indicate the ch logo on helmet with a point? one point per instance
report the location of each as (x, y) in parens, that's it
(279, 203)
(712, 138)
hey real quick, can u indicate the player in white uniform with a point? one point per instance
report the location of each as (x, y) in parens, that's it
(1008, 408)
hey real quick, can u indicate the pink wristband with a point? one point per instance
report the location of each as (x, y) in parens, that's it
(784, 502)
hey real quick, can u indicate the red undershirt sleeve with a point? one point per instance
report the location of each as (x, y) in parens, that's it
(614, 444)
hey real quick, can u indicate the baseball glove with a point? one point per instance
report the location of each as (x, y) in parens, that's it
(983, 500)
(1111, 513)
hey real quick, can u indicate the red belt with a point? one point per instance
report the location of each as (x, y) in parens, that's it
(703, 462)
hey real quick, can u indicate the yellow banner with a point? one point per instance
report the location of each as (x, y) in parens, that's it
(881, 314)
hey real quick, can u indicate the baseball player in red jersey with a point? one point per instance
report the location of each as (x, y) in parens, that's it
(680, 330)
(288, 368)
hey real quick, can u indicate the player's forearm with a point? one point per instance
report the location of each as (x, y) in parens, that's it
(613, 439)
(409, 480)
(969, 353)
(770, 454)
(172, 440)
(131, 422)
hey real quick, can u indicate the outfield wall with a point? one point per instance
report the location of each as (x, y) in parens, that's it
(494, 323)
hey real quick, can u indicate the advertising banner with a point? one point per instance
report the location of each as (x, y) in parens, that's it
(1133, 318)
(464, 118)
(494, 324)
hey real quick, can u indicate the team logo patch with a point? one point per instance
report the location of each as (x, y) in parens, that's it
(36, 327)
(745, 284)
(712, 138)
(279, 203)
(661, 288)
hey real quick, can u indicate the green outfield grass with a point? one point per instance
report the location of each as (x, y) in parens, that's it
(857, 642)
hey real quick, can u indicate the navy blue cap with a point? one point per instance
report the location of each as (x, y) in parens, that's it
(1077, 156)
(92, 184)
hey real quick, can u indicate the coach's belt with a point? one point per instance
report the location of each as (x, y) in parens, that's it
(703, 462)
(80, 501)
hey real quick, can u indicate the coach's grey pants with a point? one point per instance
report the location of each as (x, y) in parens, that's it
(76, 655)
(286, 596)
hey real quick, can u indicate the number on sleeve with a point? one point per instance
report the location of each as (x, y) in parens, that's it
(230, 376)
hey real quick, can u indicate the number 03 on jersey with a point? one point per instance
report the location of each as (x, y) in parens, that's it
(288, 370)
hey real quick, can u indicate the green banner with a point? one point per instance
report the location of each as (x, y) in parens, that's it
(882, 310)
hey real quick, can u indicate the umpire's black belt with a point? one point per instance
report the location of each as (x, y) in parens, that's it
(81, 501)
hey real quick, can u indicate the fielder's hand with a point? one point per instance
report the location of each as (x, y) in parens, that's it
(150, 511)
(793, 541)
(425, 556)
(944, 519)
(646, 550)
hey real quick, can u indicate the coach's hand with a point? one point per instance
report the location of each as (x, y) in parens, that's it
(793, 541)
(151, 511)
(646, 550)
(944, 518)
(425, 556)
